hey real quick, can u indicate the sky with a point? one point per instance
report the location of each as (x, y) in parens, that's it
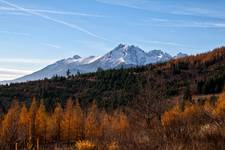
(36, 33)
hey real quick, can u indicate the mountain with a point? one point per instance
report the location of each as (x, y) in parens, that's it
(121, 56)
(159, 55)
(180, 55)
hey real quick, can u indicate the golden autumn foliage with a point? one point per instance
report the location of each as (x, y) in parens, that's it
(68, 121)
(170, 116)
(9, 133)
(85, 145)
(24, 124)
(193, 113)
(202, 122)
(220, 107)
(55, 123)
(92, 128)
(29, 127)
(91, 122)
(113, 146)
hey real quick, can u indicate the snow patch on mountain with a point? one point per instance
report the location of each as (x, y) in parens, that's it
(123, 55)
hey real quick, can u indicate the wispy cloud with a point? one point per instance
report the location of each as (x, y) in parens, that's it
(197, 11)
(67, 24)
(52, 45)
(54, 12)
(186, 8)
(14, 33)
(124, 3)
(167, 43)
(161, 22)
(26, 61)
(14, 71)
(9, 74)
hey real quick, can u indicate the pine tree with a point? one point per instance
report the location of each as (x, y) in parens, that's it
(68, 73)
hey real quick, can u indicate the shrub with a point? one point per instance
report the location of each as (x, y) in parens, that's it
(113, 146)
(85, 145)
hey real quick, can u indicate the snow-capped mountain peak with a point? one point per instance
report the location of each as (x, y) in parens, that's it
(123, 55)
(76, 57)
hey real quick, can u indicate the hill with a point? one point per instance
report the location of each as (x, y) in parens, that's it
(173, 105)
(203, 74)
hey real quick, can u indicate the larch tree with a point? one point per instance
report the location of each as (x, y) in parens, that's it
(10, 126)
(41, 123)
(120, 124)
(68, 121)
(91, 122)
(24, 121)
(79, 121)
(105, 127)
(56, 123)
(32, 128)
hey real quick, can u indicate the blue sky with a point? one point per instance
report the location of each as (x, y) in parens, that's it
(36, 33)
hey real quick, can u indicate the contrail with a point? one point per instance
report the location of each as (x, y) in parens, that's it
(73, 26)
(55, 12)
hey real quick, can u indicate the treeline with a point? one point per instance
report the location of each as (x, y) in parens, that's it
(33, 127)
(121, 87)
(110, 89)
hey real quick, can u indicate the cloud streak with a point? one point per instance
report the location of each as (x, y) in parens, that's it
(9, 74)
(67, 24)
(161, 22)
(183, 8)
(52, 45)
(124, 3)
(164, 43)
(14, 33)
(26, 61)
(54, 12)
(14, 71)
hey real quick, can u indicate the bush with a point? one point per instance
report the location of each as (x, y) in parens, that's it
(113, 146)
(85, 145)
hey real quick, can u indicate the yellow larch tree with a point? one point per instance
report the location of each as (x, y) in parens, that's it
(68, 130)
(92, 123)
(24, 121)
(79, 121)
(41, 123)
(10, 126)
(55, 123)
(120, 124)
(32, 128)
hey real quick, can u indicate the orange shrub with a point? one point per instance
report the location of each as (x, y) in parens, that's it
(170, 116)
(85, 145)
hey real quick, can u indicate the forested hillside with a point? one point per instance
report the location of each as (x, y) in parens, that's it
(203, 74)
(179, 104)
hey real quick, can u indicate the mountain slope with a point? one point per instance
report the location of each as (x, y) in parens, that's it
(203, 74)
(123, 55)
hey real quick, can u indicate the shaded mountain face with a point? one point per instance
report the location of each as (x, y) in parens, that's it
(121, 56)
(180, 55)
(159, 55)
